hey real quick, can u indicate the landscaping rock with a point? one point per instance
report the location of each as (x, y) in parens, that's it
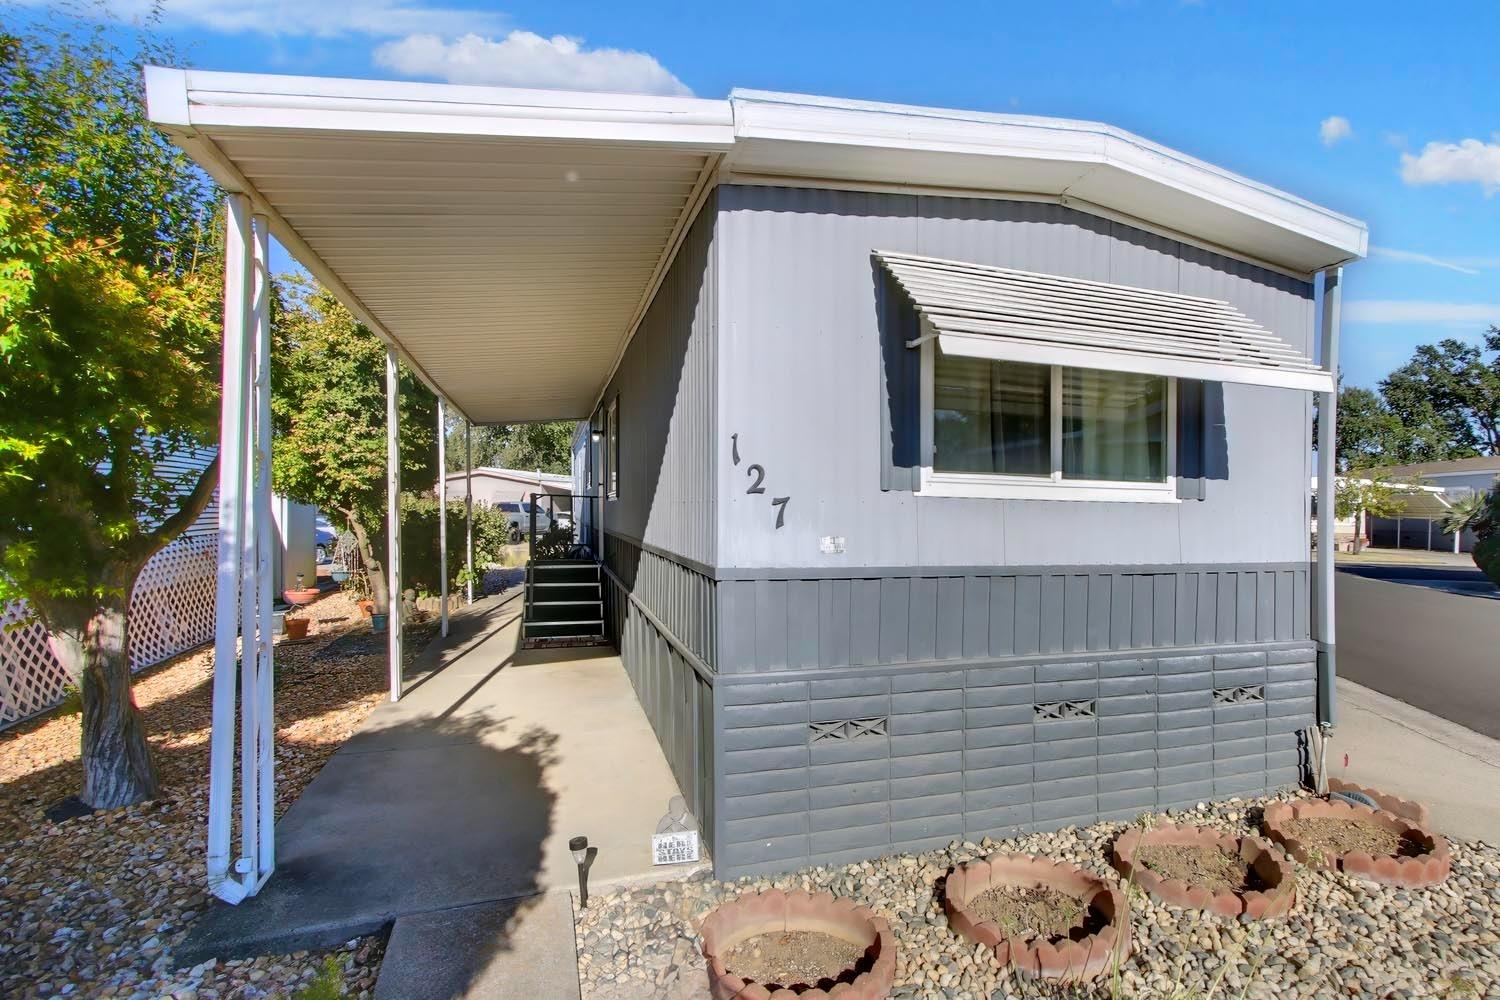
(93, 905)
(1344, 937)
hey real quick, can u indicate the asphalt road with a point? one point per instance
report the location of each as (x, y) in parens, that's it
(1429, 637)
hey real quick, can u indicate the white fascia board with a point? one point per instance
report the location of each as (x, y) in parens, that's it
(764, 120)
(208, 101)
(1078, 356)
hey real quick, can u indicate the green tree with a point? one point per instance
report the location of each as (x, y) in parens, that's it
(1369, 433)
(328, 419)
(108, 361)
(1447, 399)
(547, 447)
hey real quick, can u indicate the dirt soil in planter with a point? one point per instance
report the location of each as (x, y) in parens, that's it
(791, 958)
(1340, 836)
(1035, 912)
(1201, 864)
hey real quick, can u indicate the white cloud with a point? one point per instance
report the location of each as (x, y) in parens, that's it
(1386, 311)
(1412, 257)
(318, 18)
(1467, 162)
(526, 59)
(1333, 129)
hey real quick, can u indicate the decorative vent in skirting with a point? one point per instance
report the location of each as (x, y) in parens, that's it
(848, 729)
(1065, 710)
(1239, 695)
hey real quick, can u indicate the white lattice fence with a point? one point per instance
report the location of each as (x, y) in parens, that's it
(171, 610)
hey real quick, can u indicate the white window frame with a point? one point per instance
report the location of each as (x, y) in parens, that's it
(981, 485)
(612, 449)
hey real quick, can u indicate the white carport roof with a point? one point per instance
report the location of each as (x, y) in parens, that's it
(508, 241)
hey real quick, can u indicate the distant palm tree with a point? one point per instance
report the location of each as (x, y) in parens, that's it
(1466, 513)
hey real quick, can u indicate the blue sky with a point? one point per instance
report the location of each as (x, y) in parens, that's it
(1386, 111)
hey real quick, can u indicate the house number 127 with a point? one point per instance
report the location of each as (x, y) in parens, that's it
(757, 472)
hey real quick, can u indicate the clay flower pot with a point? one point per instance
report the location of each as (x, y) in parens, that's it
(772, 911)
(296, 628)
(1274, 901)
(300, 597)
(1431, 866)
(1081, 956)
(367, 608)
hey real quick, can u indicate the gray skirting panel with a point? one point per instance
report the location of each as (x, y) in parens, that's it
(677, 700)
(827, 768)
(830, 719)
(787, 622)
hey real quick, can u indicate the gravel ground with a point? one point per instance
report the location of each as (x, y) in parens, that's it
(94, 906)
(1345, 937)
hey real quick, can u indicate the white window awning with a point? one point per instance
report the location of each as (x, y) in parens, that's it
(1007, 315)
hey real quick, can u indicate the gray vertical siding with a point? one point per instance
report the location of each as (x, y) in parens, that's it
(802, 384)
(681, 597)
(666, 385)
(965, 755)
(778, 622)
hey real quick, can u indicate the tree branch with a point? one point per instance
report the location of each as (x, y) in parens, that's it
(192, 508)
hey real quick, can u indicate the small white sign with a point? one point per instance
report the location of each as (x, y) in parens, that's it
(674, 848)
(831, 545)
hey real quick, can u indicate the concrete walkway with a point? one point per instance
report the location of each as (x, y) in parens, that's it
(463, 794)
(1400, 749)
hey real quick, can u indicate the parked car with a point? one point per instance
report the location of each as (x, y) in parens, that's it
(518, 513)
(325, 536)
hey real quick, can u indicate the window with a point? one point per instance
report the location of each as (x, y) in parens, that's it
(1008, 429)
(612, 449)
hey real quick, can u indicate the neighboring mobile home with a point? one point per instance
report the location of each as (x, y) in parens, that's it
(951, 468)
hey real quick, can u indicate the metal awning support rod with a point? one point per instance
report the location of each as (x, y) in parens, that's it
(1323, 623)
(243, 603)
(393, 513)
(442, 433)
(233, 418)
(260, 784)
(468, 511)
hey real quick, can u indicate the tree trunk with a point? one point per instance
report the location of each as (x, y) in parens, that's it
(374, 571)
(117, 768)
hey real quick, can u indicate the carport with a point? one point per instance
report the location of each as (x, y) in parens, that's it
(466, 227)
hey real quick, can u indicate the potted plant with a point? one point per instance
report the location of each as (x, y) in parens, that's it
(296, 628)
(300, 594)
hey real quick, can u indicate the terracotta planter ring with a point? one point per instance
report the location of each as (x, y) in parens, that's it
(1417, 812)
(1430, 867)
(772, 911)
(1073, 960)
(1269, 864)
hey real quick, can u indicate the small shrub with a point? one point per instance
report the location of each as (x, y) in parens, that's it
(328, 984)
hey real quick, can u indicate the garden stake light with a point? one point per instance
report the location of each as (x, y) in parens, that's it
(580, 848)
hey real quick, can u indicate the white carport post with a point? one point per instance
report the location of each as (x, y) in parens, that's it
(242, 609)
(442, 432)
(469, 512)
(260, 782)
(393, 513)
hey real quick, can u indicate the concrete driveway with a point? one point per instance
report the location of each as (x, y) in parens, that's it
(1427, 636)
(462, 794)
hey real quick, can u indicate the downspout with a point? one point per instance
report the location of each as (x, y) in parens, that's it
(1323, 612)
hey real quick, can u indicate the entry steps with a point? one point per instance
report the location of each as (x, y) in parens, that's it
(564, 604)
